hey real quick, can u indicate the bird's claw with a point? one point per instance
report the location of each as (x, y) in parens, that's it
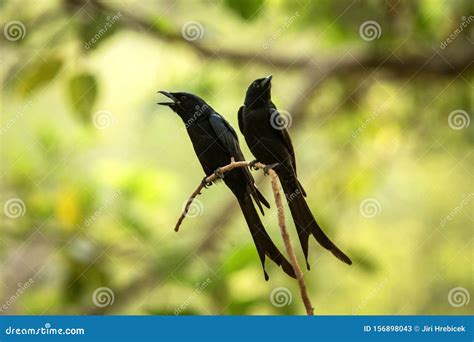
(268, 167)
(252, 164)
(218, 173)
(205, 183)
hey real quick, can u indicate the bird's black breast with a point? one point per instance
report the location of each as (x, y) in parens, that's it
(207, 146)
(261, 137)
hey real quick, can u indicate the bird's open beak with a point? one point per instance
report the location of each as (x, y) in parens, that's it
(266, 81)
(168, 95)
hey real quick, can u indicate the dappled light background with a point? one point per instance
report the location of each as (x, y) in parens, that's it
(94, 174)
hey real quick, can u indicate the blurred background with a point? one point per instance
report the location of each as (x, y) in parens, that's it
(94, 174)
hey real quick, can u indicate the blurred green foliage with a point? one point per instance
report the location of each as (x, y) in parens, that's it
(82, 94)
(103, 172)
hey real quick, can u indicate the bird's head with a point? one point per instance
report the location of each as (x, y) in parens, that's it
(259, 91)
(188, 106)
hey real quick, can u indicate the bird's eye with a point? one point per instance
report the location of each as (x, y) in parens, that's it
(183, 98)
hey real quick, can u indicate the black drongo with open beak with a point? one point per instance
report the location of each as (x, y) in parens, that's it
(267, 137)
(215, 143)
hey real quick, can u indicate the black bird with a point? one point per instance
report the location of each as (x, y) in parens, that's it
(266, 135)
(215, 142)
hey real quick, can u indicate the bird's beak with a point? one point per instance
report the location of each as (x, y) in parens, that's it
(168, 95)
(267, 80)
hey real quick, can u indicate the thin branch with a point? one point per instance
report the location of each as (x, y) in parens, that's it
(281, 220)
(209, 180)
(289, 248)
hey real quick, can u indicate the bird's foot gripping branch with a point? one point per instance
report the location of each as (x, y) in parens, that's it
(208, 181)
(268, 170)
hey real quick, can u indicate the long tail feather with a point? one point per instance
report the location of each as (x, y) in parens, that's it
(263, 242)
(304, 220)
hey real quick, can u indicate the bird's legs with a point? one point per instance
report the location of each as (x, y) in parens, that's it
(218, 173)
(205, 183)
(252, 164)
(268, 167)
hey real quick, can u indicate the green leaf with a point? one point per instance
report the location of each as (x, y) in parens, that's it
(83, 94)
(38, 75)
(246, 9)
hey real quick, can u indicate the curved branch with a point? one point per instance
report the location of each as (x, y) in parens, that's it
(209, 180)
(289, 248)
(281, 219)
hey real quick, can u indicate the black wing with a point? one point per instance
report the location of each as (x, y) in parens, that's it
(241, 119)
(229, 139)
(226, 135)
(284, 136)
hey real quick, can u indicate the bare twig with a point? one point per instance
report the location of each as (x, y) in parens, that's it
(288, 246)
(281, 220)
(233, 164)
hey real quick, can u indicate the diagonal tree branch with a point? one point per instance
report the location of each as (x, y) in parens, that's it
(209, 180)
(281, 220)
(289, 248)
